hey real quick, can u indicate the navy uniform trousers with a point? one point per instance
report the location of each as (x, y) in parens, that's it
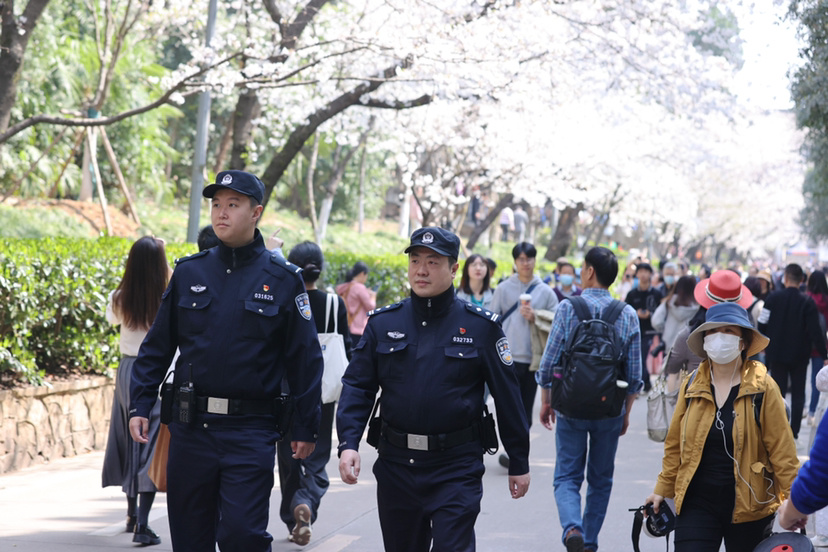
(231, 467)
(410, 497)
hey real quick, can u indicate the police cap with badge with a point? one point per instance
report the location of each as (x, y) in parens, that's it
(240, 181)
(437, 239)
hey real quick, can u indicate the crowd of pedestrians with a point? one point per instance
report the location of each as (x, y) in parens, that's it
(235, 338)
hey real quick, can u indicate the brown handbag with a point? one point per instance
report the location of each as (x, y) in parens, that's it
(158, 465)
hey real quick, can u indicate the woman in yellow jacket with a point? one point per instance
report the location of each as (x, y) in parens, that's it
(729, 457)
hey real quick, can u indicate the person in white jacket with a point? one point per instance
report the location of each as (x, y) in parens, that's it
(675, 310)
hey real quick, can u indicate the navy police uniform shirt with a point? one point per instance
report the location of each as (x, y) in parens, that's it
(242, 321)
(431, 357)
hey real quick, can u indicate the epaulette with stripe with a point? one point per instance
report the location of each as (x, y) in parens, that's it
(386, 308)
(485, 313)
(191, 257)
(284, 263)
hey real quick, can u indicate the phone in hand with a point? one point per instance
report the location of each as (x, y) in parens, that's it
(375, 288)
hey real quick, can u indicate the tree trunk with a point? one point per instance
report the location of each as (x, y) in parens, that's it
(564, 233)
(224, 146)
(247, 109)
(339, 166)
(361, 192)
(87, 174)
(309, 180)
(14, 38)
(280, 162)
(404, 227)
(478, 231)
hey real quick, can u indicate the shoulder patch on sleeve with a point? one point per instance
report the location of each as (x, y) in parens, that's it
(287, 265)
(485, 313)
(191, 257)
(385, 308)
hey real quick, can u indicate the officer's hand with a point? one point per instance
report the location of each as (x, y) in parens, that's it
(301, 449)
(139, 429)
(518, 485)
(349, 466)
(547, 416)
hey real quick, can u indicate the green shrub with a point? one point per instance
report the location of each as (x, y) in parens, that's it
(53, 293)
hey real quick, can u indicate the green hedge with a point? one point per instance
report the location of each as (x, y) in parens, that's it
(53, 294)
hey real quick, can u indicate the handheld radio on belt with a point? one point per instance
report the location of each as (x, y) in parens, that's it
(186, 400)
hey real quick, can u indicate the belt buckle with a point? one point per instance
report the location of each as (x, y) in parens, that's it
(216, 405)
(417, 442)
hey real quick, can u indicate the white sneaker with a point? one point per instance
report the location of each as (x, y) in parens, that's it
(820, 541)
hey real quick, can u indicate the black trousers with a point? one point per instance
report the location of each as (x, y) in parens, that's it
(706, 518)
(430, 508)
(305, 481)
(798, 374)
(218, 487)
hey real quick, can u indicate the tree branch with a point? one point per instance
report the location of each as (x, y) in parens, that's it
(104, 121)
(425, 99)
(292, 32)
(280, 162)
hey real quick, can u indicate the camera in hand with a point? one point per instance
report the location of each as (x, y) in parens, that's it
(656, 524)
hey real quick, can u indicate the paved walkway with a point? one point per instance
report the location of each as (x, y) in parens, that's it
(61, 507)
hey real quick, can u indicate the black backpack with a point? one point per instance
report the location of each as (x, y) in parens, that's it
(586, 384)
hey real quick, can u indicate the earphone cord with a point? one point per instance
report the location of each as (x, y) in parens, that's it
(720, 426)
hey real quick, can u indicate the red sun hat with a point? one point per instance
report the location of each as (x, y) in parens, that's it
(723, 286)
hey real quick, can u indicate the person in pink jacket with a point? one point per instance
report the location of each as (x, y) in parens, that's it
(358, 298)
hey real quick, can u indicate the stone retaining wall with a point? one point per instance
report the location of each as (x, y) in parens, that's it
(38, 424)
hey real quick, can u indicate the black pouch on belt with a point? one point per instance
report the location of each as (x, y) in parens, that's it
(167, 397)
(374, 427)
(488, 433)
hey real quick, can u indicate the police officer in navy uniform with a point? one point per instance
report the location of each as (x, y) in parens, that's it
(430, 356)
(242, 322)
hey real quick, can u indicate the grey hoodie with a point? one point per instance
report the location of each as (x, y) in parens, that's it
(515, 326)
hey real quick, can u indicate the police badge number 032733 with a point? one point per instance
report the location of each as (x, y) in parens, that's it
(503, 351)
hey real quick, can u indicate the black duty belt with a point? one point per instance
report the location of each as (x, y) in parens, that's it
(441, 441)
(237, 407)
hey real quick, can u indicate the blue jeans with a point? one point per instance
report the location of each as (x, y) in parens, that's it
(591, 445)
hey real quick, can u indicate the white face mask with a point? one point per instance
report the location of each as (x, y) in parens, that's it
(722, 348)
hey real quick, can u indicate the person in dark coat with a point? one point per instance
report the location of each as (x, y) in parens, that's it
(791, 321)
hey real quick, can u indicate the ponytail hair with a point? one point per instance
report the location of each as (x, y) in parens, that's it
(307, 256)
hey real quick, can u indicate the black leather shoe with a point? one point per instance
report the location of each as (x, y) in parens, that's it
(130, 524)
(145, 535)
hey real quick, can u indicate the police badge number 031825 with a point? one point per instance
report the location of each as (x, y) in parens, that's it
(303, 304)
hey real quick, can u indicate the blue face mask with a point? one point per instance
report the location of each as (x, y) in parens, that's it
(567, 279)
(669, 280)
(635, 283)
